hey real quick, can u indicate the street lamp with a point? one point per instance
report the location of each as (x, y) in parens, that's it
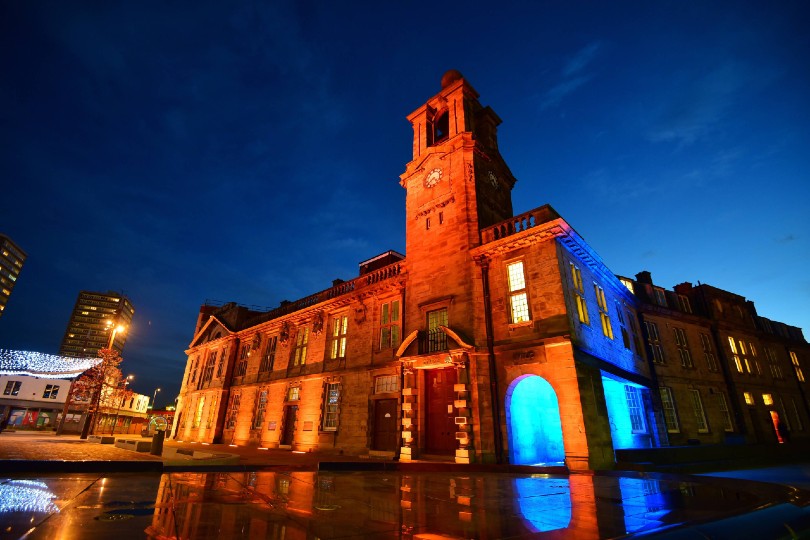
(114, 331)
(123, 398)
(153, 398)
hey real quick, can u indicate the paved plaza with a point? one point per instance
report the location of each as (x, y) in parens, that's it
(62, 487)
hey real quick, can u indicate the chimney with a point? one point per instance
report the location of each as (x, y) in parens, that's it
(644, 277)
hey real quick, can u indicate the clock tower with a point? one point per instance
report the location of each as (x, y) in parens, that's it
(457, 184)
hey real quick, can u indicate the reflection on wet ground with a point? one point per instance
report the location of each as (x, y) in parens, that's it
(292, 505)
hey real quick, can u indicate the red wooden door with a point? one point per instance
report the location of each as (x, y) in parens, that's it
(440, 414)
(386, 434)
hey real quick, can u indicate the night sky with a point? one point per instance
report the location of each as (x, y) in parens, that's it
(251, 152)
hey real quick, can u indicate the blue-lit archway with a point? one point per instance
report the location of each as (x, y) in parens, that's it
(533, 422)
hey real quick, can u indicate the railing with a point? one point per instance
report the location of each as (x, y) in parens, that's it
(520, 223)
(432, 341)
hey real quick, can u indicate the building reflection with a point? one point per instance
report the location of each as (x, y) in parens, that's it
(293, 505)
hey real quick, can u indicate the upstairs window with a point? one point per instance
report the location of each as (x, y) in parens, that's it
(654, 340)
(518, 300)
(660, 296)
(241, 365)
(51, 391)
(389, 325)
(579, 294)
(796, 366)
(708, 354)
(300, 349)
(683, 347)
(12, 388)
(269, 355)
(437, 339)
(601, 303)
(208, 371)
(683, 302)
(776, 370)
(337, 349)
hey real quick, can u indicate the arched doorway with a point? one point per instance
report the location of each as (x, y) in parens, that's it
(533, 422)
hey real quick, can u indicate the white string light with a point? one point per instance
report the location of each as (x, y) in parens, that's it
(26, 496)
(46, 366)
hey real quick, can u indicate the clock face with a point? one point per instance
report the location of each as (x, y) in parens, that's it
(493, 179)
(433, 177)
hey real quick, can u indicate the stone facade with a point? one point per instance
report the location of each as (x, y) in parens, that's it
(500, 338)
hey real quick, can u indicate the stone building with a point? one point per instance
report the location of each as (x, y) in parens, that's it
(724, 373)
(499, 338)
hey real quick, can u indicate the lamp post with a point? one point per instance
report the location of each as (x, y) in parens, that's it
(119, 328)
(154, 396)
(121, 404)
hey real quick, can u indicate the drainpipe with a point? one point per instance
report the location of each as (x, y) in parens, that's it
(493, 371)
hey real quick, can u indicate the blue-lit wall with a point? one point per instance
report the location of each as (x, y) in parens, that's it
(619, 415)
(544, 503)
(533, 422)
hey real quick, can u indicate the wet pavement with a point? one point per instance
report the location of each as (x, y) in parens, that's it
(288, 496)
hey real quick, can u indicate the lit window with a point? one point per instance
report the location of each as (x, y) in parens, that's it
(749, 398)
(337, 349)
(389, 325)
(294, 393)
(700, 413)
(601, 303)
(635, 408)
(579, 293)
(796, 367)
(300, 349)
(767, 399)
(627, 283)
(518, 300)
(670, 416)
(330, 406)
(386, 383)
(654, 340)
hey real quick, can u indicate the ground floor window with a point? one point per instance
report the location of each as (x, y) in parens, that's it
(670, 416)
(700, 413)
(261, 404)
(233, 411)
(635, 408)
(331, 402)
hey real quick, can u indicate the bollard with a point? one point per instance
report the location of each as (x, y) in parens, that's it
(157, 443)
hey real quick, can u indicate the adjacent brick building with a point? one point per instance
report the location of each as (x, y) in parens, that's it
(499, 338)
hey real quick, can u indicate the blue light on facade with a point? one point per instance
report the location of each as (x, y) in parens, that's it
(544, 503)
(534, 427)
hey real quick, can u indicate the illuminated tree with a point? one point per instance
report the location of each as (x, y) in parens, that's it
(101, 386)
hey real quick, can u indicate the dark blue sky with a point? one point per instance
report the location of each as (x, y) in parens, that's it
(250, 152)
